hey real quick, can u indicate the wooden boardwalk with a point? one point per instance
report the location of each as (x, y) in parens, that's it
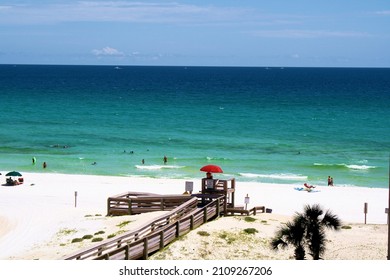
(143, 241)
(184, 213)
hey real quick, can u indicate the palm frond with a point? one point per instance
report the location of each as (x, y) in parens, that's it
(331, 221)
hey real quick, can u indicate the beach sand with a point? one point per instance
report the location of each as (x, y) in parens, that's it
(40, 218)
(226, 239)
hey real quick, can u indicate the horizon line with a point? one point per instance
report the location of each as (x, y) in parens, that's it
(192, 66)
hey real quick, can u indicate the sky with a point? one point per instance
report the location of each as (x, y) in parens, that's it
(271, 33)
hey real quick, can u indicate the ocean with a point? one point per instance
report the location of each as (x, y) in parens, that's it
(269, 125)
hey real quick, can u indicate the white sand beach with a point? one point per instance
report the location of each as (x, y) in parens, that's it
(39, 218)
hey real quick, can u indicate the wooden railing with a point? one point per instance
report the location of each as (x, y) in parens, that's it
(242, 211)
(141, 242)
(137, 203)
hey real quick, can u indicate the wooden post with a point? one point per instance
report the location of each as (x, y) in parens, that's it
(205, 215)
(75, 199)
(234, 191)
(177, 229)
(129, 203)
(365, 212)
(162, 239)
(225, 204)
(191, 222)
(127, 252)
(146, 248)
(108, 206)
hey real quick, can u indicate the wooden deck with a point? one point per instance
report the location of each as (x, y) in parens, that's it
(132, 203)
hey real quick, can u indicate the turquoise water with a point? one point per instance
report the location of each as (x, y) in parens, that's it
(276, 125)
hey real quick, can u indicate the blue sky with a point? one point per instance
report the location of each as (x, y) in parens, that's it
(343, 33)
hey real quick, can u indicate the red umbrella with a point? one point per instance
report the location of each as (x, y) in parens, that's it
(211, 168)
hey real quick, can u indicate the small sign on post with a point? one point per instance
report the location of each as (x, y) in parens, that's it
(75, 199)
(365, 212)
(246, 201)
(189, 187)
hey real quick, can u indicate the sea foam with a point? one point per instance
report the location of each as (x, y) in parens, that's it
(275, 176)
(158, 167)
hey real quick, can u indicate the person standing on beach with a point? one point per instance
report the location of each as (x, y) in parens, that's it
(330, 181)
(165, 159)
(44, 164)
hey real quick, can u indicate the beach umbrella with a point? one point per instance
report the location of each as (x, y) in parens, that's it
(13, 174)
(211, 168)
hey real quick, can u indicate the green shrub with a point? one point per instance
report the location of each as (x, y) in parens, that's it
(66, 231)
(97, 239)
(250, 230)
(74, 240)
(222, 235)
(88, 236)
(249, 219)
(99, 232)
(346, 227)
(203, 233)
(228, 237)
(123, 224)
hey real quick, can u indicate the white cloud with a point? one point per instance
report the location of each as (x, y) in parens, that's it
(383, 13)
(107, 51)
(5, 7)
(119, 11)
